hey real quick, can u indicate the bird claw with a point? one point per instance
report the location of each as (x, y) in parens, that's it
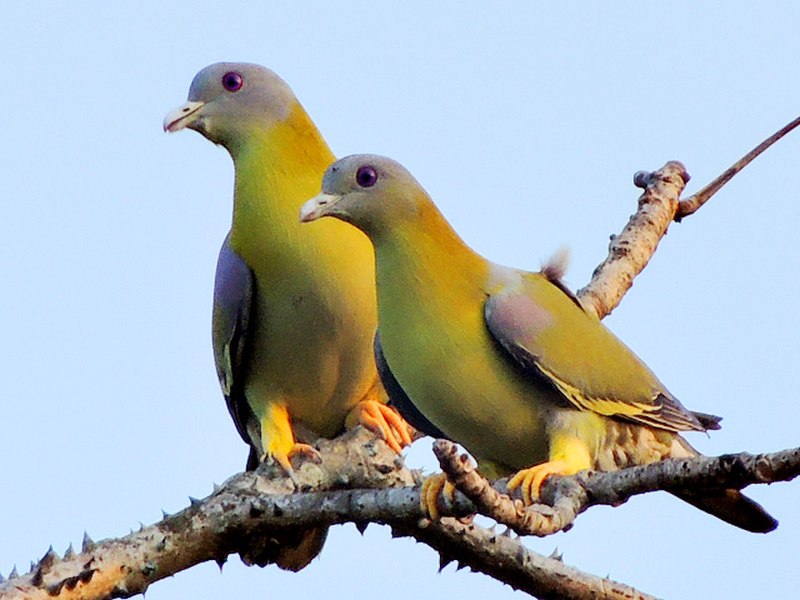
(386, 423)
(530, 480)
(284, 459)
(432, 489)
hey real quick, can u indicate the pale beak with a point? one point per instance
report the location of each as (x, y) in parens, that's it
(319, 206)
(182, 116)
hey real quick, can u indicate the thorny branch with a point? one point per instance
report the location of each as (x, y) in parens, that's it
(251, 506)
(567, 497)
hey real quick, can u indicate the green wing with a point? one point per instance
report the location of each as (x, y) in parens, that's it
(545, 329)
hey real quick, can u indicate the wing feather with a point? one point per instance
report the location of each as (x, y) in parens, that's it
(233, 301)
(543, 327)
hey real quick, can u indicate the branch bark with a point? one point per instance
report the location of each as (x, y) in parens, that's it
(659, 205)
(567, 497)
(253, 506)
(631, 250)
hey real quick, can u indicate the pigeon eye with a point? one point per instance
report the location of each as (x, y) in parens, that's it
(366, 177)
(232, 81)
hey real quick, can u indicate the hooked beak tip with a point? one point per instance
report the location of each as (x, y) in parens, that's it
(182, 116)
(316, 208)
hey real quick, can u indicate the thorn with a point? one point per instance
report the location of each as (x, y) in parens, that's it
(216, 487)
(2, 579)
(164, 514)
(556, 555)
(38, 578)
(361, 526)
(86, 576)
(49, 558)
(120, 589)
(141, 526)
(32, 567)
(193, 501)
(69, 553)
(460, 565)
(507, 532)
(221, 562)
(149, 569)
(13, 574)
(55, 589)
(88, 543)
(444, 560)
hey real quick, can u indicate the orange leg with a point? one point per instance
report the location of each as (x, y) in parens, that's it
(432, 488)
(385, 422)
(277, 439)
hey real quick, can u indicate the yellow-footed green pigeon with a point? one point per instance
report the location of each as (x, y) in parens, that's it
(503, 361)
(294, 311)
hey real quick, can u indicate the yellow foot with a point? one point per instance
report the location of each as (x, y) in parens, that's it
(384, 422)
(284, 459)
(433, 487)
(530, 480)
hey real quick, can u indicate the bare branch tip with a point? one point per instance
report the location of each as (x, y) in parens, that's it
(641, 179)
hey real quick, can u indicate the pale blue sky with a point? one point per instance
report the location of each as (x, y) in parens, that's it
(524, 122)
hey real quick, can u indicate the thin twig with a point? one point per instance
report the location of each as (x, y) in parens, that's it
(694, 202)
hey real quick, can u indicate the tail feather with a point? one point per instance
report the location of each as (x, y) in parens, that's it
(732, 507)
(297, 557)
(292, 550)
(729, 505)
(709, 422)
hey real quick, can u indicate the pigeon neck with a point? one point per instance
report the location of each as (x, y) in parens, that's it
(277, 170)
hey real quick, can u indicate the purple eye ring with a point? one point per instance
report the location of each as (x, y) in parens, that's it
(232, 81)
(366, 176)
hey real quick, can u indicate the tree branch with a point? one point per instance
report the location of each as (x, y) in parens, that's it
(659, 205)
(507, 560)
(631, 250)
(567, 497)
(254, 506)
